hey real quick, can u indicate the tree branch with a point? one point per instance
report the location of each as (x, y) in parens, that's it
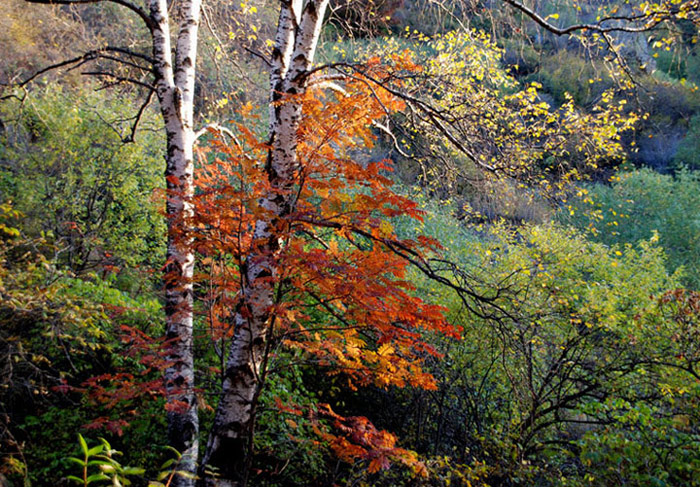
(599, 26)
(119, 79)
(436, 118)
(415, 258)
(87, 57)
(218, 128)
(139, 114)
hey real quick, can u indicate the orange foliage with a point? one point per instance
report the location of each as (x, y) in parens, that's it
(343, 296)
(124, 392)
(360, 440)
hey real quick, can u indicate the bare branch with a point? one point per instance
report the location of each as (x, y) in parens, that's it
(129, 52)
(58, 65)
(87, 57)
(139, 114)
(387, 131)
(649, 21)
(258, 55)
(126, 63)
(434, 115)
(116, 79)
(468, 296)
(217, 128)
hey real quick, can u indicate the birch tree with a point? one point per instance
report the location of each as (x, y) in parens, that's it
(226, 462)
(175, 80)
(169, 73)
(172, 78)
(292, 57)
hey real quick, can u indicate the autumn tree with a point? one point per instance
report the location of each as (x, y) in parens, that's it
(260, 235)
(471, 125)
(292, 59)
(339, 296)
(296, 233)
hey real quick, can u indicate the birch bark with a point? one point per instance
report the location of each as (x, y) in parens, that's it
(174, 81)
(228, 450)
(175, 84)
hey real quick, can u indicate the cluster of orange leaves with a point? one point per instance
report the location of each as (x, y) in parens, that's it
(360, 439)
(344, 295)
(355, 438)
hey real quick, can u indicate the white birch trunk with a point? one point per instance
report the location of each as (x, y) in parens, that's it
(175, 89)
(174, 84)
(228, 449)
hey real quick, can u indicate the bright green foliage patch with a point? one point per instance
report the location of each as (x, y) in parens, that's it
(573, 374)
(65, 167)
(641, 204)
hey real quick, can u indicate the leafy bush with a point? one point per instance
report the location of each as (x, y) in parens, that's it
(572, 345)
(58, 331)
(66, 168)
(639, 203)
(564, 72)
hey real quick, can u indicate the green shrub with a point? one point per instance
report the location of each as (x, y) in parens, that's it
(58, 331)
(563, 353)
(688, 154)
(566, 72)
(68, 171)
(637, 205)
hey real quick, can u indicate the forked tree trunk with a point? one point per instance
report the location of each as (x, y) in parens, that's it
(175, 90)
(227, 452)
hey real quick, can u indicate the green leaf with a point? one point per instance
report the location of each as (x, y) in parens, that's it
(184, 474)
(177, 454)
(76, 460)
(97, 476)
(95, 450)
(83, 444)
(106, 444)
(133, 471)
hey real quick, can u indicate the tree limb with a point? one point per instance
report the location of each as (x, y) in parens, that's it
(650, 20)
(84, 58)
(218, 128)
(119, 79)
(139, 114)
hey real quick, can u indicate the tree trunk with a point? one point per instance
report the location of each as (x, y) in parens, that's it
(228, 450)
(175, 89)
(174, 84)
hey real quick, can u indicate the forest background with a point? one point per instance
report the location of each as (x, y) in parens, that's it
(510, 298)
